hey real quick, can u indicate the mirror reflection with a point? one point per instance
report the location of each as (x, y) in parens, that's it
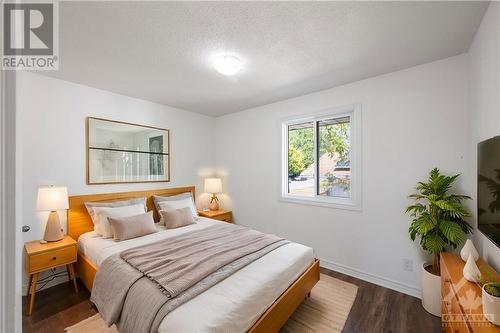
(120, 152)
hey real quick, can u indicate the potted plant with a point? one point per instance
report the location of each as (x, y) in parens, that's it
(491, 302)
(438, 220)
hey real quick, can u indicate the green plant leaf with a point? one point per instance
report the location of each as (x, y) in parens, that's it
(457, 198)
(415, 209)
(452, 231)
(466, 227)
(434, 173)
(424, 224)
(432, 198)
(454, 209)
(413, 232)
(433, 243)
(416, 196)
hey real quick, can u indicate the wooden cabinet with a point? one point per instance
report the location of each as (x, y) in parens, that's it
(54, 258)
(462, 310)
(221, 215)
(42, 257)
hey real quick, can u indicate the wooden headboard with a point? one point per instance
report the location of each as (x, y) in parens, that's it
(79, 220)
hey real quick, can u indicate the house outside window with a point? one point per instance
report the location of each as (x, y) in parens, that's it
(322, 158)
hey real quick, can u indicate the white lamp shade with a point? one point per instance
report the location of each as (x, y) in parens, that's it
(213, 185)
(52, 198)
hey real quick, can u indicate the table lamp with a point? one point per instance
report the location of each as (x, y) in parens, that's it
(52, 198)
(214, 186)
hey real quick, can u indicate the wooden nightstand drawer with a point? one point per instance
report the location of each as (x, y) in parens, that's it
(221, 215)
(227, 217)
(56, 257)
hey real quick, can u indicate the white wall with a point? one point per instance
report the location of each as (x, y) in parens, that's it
(51, 140)
(413, 120)
(484, 82)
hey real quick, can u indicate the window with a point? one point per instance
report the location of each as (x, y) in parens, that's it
(321, 159)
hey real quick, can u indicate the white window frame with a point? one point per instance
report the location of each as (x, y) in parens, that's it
(352, 203)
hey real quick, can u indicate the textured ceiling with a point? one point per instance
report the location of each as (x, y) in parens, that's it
(161, 51)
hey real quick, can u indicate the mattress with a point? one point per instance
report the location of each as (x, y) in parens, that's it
(232, 305)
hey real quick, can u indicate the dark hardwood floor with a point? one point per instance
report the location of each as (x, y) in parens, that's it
(376, 309)
(56, 308)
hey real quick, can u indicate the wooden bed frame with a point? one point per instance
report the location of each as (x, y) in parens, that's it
(272, 319)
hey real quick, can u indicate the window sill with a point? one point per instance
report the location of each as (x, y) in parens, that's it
(327, 202)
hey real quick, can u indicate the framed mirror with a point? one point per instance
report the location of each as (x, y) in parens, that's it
(119, 152)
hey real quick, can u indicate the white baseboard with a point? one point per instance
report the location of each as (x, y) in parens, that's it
(375, 279)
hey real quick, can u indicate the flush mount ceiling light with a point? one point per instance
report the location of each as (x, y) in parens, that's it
(227, 64)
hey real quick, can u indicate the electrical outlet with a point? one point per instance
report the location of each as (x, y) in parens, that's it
(408, 265)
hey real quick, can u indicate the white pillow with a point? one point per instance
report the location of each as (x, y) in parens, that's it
(128, 202)
(158, 198)
(103, 227)
(178, 204)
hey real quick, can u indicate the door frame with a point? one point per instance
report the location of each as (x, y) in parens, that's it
(10, 235)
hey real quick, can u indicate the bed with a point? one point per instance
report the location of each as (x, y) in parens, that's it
(258, 298)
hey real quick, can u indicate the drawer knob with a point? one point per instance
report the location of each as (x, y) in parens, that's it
(54, 258)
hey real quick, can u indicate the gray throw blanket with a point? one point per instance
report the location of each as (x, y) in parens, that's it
(163, 275)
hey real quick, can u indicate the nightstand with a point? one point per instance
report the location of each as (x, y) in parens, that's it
(42, 257)
(221, 215)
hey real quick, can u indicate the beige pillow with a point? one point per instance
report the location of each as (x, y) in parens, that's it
(157, 199)
(132, 226)
(177, 218)
(128, 202)
(179, 201)
(102, 228)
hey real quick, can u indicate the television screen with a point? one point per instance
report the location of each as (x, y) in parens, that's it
(488, 188)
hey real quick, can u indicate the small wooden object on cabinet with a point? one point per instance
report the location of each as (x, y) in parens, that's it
(462, 310)
(42, 257)
(221, 215)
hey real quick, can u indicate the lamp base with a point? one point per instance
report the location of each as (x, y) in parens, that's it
(53, 230)
(214, 202)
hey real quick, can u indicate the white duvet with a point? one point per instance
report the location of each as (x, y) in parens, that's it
(234, 304)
